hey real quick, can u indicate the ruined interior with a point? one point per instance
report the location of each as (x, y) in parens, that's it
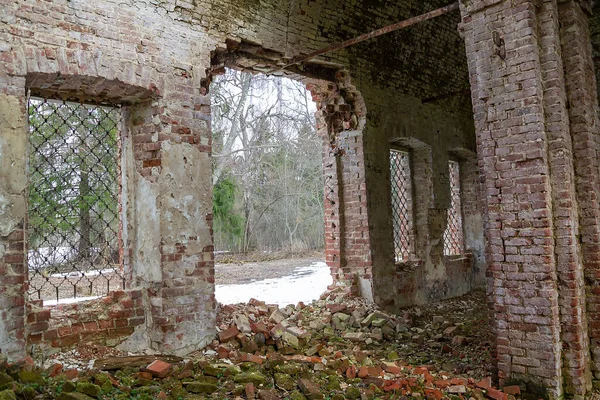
(505, 90)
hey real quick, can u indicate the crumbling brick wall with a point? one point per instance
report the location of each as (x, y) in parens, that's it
(108, 321)
(152, 58)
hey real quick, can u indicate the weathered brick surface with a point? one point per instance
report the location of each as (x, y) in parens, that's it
(584, 128)
(108, 321)
(509, 122)
(535, 110)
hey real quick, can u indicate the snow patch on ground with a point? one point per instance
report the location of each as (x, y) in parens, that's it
(76, 274)
(305, 284)
(70, 300)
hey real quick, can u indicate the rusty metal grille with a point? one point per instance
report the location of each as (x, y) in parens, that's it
(402, 204)
(73, 209)
(453, 235)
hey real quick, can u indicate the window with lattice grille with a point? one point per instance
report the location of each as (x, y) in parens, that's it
(402, 204)
(73, 209)
(453, 236)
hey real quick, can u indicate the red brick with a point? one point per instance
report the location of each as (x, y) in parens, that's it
(512, 390)
(159, 368)
(229, 334)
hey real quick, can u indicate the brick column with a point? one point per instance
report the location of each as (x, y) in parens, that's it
(506, 73)
(565, 210)
(13, 210)
(331, 206)
(171, 217)
(356, 242)
(347, 243)
(584, 126)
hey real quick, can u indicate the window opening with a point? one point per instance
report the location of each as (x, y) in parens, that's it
(73, 211)
(402, 204)
(453, 236)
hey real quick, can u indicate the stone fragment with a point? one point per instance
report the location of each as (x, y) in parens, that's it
(285, 381)
(71, 396)
(26, 376)
(277, 316)
(310, 389)
(89, 389)
(5, 378)
(212, 370)
(459, 340)
(353, 393)
(201, 387)
(250, 377)
(277, 331)
(512, 390)
(449, 330)
(242, 322)
(268, 395)
(355, 336)
(457, 389)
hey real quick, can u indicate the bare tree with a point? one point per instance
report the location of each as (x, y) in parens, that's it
(265, 142)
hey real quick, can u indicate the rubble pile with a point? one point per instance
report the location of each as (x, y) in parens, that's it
(339, 347)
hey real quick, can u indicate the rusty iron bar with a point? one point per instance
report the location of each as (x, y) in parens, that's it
(381, 31)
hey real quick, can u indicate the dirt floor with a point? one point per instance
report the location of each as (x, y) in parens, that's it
(238, 269)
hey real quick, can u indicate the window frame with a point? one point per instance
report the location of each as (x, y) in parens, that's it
(455, 249)
(409, 251)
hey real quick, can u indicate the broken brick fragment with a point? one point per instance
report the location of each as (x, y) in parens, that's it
(496, 394)
(310, 389)
(512, 390)
(229, 334)
(159, 368)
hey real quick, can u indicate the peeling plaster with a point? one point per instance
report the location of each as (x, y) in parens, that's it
(186, 196)
(147, 239)
(13, 146)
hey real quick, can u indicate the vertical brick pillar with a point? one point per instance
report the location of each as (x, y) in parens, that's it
(505, 67)
(172, 238)
(13, 210)
(569, 266)
(584, 124)
(356, 241)
(331, 206)
(347, 243)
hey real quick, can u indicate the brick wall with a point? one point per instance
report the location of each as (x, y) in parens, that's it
(535, 108)
(108, 321)
(583, 117)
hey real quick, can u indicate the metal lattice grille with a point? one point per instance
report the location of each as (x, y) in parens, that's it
(402, 204)
(73, 216)
(453, 236)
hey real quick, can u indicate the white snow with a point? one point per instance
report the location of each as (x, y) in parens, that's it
(77, 274)
(305, 284)
(70, 300)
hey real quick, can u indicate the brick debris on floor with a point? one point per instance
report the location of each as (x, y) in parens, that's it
(339, 347)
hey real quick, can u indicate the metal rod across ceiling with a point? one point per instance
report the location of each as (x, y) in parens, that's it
(381, 31)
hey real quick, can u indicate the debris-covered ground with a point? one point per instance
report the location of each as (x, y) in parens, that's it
(336, 348)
